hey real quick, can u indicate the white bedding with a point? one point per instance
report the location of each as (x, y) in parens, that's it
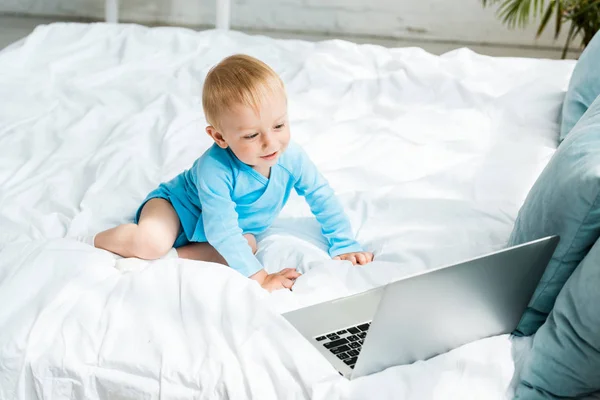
(431, 157)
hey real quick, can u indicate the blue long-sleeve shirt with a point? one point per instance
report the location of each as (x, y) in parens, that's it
(220, 198)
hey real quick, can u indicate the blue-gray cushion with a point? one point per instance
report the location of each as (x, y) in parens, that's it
(565, 201)
(565, 359)
(584, 87)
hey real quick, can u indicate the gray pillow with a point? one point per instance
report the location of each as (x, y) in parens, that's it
(565, 359)
(584, 87)
(564, 201)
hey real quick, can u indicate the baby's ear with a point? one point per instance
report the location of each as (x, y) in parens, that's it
(216, 136)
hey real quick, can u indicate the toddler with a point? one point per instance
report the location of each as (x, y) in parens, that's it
(236, 189)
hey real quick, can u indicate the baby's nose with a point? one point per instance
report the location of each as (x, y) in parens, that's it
(267, 140)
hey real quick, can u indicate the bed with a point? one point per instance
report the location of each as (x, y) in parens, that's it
(431, 156)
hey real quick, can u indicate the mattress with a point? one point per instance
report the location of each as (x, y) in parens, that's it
(431, 157)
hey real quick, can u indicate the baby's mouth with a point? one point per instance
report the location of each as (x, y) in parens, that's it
(269, 156)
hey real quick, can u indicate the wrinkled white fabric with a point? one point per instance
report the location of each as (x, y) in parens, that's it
(431, 157)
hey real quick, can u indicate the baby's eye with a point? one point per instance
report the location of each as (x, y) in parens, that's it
(251, 136)
(279, 126)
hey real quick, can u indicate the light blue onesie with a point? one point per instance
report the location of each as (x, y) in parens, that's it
(220, 198)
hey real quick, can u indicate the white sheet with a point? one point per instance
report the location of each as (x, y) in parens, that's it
(431, 157)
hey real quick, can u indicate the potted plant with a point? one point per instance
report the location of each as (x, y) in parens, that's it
(584, 16)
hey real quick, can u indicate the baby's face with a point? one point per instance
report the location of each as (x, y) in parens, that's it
(258, 138)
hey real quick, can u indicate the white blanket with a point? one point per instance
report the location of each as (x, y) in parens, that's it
(430, 156)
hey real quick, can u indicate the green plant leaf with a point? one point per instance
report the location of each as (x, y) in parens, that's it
(559, 12)
(524, 11)
(572, 31)
(545, 19)
(510, 11)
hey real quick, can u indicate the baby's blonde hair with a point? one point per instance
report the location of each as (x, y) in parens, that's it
(237, 80)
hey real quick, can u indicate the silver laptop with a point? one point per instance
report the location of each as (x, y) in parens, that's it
(426, 314)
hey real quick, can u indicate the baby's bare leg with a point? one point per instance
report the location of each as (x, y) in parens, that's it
(205, 252)
(151, 238)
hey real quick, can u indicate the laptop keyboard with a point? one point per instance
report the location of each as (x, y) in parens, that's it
(346, 343)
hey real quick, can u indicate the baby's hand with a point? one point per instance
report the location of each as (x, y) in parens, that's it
(283, 279)
(360, 257)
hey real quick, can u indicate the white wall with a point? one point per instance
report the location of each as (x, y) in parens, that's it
(452, 20)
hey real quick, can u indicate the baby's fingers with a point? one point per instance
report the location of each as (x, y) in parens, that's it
(346, 257)
(290, 273)
(287, 283)
(361, 258)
